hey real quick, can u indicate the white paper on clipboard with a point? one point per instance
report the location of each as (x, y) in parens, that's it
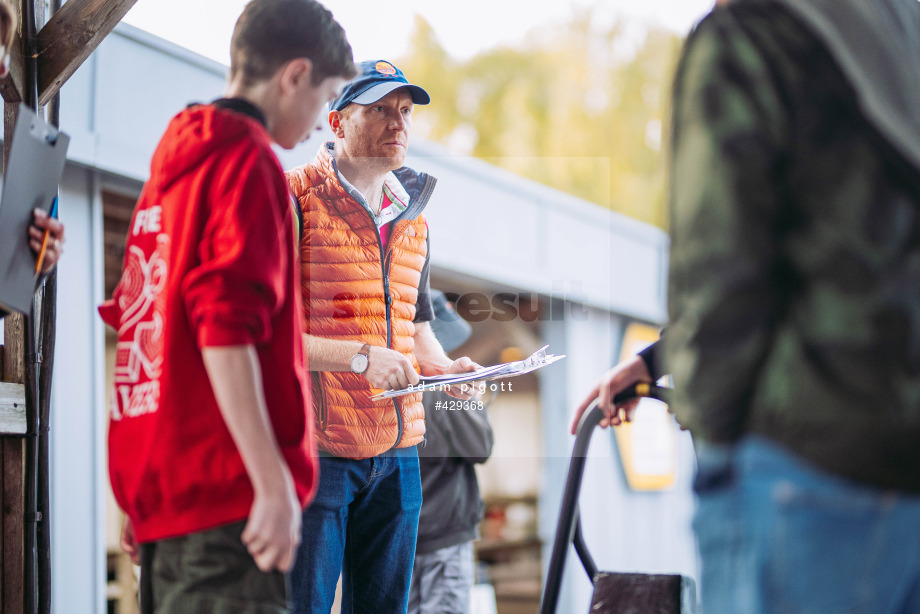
(535, 361)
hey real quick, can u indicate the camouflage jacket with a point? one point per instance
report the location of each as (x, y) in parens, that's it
(795, 263)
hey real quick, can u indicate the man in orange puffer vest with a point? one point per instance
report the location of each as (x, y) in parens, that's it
(367, 312)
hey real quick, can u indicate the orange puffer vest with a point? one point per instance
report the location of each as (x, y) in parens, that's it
(354, 291)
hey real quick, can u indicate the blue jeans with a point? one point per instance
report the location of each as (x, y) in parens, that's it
(778, 535)
(363, 524)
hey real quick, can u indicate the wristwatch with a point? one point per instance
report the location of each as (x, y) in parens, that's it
(359, 361)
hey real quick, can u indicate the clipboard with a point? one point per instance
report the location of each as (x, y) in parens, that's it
(37, 156)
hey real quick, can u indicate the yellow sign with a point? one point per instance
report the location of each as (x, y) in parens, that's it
(648, 445)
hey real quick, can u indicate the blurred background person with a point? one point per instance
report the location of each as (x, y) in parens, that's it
(458, 437)
(794, 328)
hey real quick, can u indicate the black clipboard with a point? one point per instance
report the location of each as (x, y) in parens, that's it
(37, 156)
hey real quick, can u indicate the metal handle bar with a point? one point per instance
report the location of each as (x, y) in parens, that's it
(568, 527)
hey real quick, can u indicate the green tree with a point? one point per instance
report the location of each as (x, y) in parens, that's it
(568, 108)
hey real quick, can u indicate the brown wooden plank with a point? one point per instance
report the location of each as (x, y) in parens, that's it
(2, 540)
(114, 237)
(113, 201)
(11, 465)
(3, 581)
(11, 599)
(121, 214)
(117, 210)
(10, 112)
(13, 349)
(11, 450)
(70, 36)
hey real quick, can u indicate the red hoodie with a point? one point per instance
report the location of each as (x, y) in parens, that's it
(210, 260)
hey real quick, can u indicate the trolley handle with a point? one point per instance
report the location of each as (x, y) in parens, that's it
(594, 415)
(568, 526)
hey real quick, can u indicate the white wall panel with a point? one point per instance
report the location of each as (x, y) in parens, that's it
(77, 415)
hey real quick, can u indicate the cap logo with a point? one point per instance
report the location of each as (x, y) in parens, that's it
(385, 68)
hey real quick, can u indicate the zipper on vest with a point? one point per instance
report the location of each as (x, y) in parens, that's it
(385, 269)
(389, 302)
(323, 414)
(387, 297)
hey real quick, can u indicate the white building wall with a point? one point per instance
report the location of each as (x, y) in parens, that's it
(118, 104)
(77, 412)
(490, 224)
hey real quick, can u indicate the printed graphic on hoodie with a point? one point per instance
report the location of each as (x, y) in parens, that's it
(141, 304)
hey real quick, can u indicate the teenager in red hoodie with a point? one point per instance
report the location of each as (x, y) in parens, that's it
(210, 451)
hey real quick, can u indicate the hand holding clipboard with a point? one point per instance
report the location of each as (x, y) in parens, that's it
(37, 156)
(46, 236)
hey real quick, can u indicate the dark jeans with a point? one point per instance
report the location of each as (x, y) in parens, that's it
(362, 524)
(209, 572)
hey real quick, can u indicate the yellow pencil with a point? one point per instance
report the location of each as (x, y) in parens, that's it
(44, 248)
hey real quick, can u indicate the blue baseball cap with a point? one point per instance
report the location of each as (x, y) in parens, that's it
(376, 79)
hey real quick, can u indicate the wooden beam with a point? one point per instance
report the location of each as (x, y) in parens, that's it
(12, 459)
(12, 450)
(14, 348)
(12, 409)
(3, 578)
(12, 592)
(71, 35)
(13, 325)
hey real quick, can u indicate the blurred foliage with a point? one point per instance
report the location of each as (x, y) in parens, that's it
(579, 107)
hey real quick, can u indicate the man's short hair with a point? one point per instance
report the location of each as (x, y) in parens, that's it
(271, 33)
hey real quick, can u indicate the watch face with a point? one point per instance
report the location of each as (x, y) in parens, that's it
(359, 363)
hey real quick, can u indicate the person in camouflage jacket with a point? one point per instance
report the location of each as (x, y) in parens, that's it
(794, 334)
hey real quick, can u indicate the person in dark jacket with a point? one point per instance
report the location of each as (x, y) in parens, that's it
(458, 437)
(794, 329)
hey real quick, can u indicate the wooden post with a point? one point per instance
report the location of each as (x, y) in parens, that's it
(12, 450)
(12, 456)
(19, 592)
(13, 526)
